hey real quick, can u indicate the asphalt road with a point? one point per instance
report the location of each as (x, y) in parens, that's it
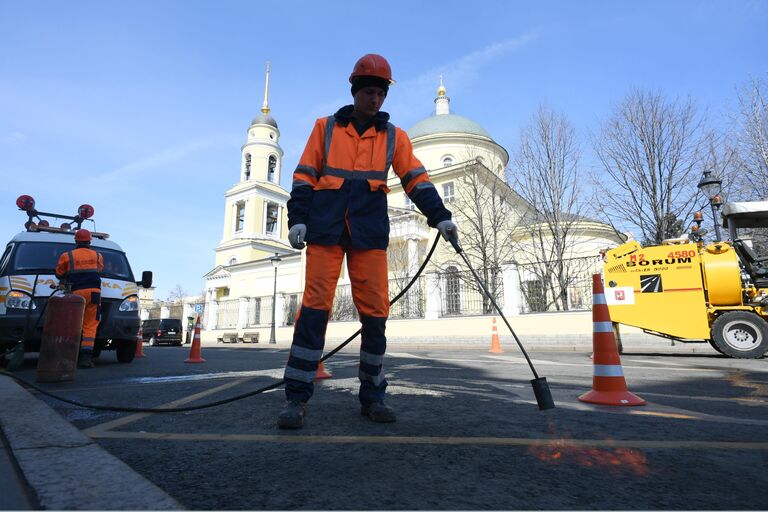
(468, 435)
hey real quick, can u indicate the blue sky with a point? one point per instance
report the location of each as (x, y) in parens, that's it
(140, 108)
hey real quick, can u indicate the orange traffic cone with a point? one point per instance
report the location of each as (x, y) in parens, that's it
(495, 344)
(140, 344)
(194, 351)
(608, 384)
(321, 373)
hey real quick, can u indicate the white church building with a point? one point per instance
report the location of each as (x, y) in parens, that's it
(255, 267)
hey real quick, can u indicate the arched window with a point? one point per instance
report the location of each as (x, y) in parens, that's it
(232, 261)
(239, 216)
(271, 168)
(452, 292)
(272, 215)
(247, 166)
(447, 161)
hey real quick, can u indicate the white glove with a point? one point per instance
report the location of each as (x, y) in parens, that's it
(296, 235)
(448, 229)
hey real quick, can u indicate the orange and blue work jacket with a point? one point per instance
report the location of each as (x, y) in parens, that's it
(81, 267)
(340, 183)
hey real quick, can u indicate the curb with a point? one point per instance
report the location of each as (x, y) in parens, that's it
(65, 468)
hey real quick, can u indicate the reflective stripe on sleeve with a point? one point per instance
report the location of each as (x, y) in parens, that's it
(608, 370)
(300, 183)
(407, 177)
(305, 169)
(422, 186)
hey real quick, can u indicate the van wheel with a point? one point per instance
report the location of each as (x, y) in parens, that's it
(740, 334)
(126, 350)
(152, 341)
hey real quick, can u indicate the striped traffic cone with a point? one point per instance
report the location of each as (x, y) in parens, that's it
(608, 384)
(495, 343)
(321, 373)
(195, 349)
(140, 344)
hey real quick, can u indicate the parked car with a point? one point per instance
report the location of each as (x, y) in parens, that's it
(166, 330)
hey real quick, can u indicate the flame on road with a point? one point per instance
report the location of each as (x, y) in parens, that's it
(563, 451)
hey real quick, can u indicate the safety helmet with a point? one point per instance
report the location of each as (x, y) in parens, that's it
(372, 65)
(82, 235)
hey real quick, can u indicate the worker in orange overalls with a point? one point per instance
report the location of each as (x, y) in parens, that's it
(338, 206)
(81, 268)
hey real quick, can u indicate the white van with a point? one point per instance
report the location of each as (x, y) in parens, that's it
(27, 275)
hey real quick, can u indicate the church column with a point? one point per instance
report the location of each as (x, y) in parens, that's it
(512, 298)
(242, 313)
(434, 298)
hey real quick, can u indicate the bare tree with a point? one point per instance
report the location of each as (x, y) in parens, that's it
(546, 175)
(652, 151)
(753, 140)
(486, 207)
(177, 293)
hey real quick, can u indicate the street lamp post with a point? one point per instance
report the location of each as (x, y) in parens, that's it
(275, 263)
(710, 185)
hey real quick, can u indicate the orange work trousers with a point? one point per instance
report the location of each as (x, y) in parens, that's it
(92, 298)
(368, 275)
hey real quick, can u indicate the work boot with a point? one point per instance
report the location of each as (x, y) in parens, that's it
(85, 359)
(378, 412)
(292, 415)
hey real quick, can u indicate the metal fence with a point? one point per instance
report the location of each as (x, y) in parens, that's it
(461, 295)
(258, 311)
(411, 305)
(557, 286)
(291, 308)
(227, 313)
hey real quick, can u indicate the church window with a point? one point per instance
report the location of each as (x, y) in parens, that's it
(408, 203)
(239, 216)
(452, 292)
(448, 192)
(233, 261)
(247, 166)
(272, 214)
(271, 168)
(447, 161)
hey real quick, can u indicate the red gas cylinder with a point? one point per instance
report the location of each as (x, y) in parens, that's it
(61, 338)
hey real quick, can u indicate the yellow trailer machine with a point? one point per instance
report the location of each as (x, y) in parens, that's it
(685, 292)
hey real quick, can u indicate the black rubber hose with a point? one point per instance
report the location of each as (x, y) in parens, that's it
(226, 400)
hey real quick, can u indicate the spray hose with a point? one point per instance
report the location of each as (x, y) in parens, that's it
(270, 387)
(540, 386)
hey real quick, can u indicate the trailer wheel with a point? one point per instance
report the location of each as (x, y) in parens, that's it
(126, 350)
(740, 334)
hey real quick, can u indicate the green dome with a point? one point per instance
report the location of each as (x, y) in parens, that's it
(446, 123)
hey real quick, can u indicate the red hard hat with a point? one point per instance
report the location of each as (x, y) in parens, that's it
(372, 65)
(82, 235)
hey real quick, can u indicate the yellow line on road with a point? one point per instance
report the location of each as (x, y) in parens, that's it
(102, 427)
(488, 441)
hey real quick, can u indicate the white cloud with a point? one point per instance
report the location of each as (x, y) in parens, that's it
(14, 138)
(163, 158)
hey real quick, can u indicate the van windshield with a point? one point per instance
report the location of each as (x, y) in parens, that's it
(42, 257)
